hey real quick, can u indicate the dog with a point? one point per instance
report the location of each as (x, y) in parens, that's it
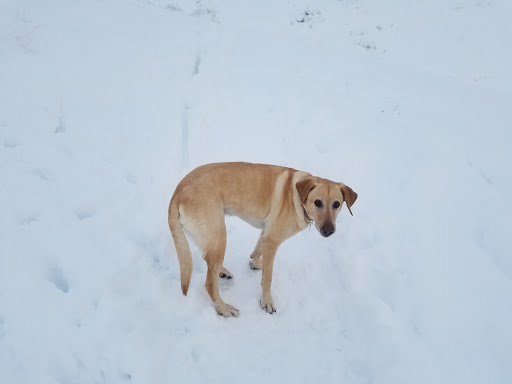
(278, 200)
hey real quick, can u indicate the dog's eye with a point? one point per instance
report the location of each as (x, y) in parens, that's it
(336, 205)
(318, 203)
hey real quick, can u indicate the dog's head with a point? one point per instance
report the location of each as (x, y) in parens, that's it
(322, 200)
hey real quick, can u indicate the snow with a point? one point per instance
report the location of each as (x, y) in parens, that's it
(106, 105)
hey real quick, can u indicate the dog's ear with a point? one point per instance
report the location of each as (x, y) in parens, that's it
(349, 195)
(304, 187)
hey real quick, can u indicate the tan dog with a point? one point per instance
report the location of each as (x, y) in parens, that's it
(280, 201)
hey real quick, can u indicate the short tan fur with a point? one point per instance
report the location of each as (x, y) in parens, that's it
(278, 200)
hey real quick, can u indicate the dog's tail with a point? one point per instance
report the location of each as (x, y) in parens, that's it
(181, 244)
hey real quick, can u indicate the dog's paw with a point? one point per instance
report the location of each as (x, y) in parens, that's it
(226, 310)
(255, 263)
(268, 305)
(225, 274)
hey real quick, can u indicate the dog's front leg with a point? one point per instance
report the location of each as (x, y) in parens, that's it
(269, 249)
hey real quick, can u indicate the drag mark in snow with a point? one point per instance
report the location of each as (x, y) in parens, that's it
(195, 72)
(61, 125)
(2, 330)
(480, 172)
(43, 175)
(25, 30)
(184, 137)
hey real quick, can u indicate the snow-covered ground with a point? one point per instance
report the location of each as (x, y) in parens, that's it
(106, 104)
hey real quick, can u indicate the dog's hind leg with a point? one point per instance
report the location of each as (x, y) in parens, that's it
(209, 233)
(213, 257)
(255, 262)
(213, 254)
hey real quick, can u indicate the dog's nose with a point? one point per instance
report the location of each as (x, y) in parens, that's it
(327, 230)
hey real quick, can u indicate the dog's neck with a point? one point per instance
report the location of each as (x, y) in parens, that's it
(301, 217)
(306, 216)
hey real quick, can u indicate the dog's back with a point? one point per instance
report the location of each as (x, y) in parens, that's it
(242, 189)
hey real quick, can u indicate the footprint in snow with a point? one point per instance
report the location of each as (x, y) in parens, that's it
(43, 175)
(28, 220)
(131, 178)
(11, 143)
(57, 278)
(84, 214)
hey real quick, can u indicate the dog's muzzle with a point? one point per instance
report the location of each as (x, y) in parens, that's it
(327, 230)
